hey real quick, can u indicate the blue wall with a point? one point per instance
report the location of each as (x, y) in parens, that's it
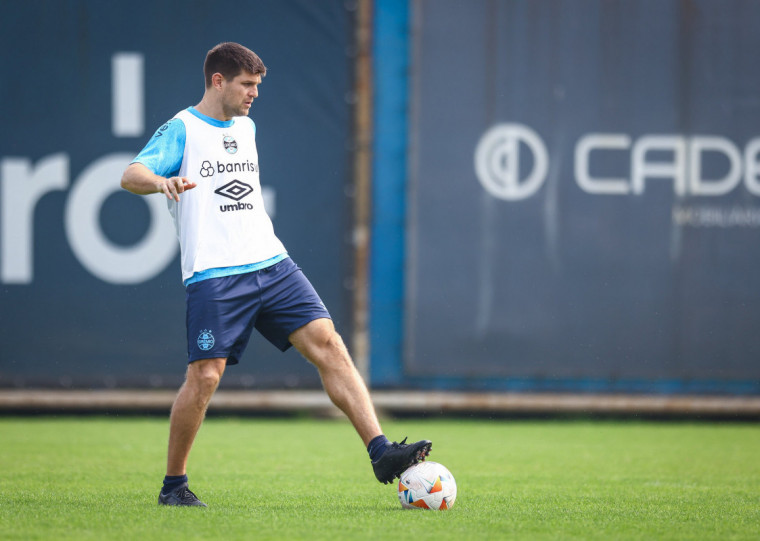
(391, 55)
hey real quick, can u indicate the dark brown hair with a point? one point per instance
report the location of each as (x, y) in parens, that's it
(230, 59)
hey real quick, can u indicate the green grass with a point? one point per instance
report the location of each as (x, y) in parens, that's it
(84, 478)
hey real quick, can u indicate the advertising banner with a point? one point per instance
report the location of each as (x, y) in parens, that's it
(584, 206)
(90, 285)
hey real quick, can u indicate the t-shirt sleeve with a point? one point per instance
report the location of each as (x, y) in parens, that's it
(163, 153)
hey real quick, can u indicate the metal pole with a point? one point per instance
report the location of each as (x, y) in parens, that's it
(362, 184)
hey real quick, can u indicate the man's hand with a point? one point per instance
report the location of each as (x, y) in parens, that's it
(140, 180)
(174, 186)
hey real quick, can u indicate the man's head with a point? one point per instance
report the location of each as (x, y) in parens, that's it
(230, 59)
(233, 74)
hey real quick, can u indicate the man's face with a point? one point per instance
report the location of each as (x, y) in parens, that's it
(238, 94)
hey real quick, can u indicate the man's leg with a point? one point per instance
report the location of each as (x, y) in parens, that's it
(189, 409)
(323, 347)
(188, 412)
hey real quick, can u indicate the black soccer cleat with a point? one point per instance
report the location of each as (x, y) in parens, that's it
(398, 457)
(180, 496)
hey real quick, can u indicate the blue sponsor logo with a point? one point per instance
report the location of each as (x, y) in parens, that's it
(230, 145)
(206, 340)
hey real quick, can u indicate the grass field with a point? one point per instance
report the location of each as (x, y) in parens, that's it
(98, 478)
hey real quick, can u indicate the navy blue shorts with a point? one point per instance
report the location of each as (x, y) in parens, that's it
(222, 312)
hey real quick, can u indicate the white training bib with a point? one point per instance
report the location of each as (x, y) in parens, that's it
(221, 222)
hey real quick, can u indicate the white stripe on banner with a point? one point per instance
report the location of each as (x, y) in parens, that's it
(127, 95)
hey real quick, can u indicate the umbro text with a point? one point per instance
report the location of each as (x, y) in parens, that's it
(237, 206)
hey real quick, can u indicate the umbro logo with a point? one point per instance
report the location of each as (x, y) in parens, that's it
(235, 190)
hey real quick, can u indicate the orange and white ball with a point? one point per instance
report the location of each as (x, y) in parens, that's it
(427, 485)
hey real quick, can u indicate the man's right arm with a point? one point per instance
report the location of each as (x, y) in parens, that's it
(156, 167)
(140, 180)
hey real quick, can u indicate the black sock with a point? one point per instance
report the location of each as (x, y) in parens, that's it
(376, 447)
(173, 481)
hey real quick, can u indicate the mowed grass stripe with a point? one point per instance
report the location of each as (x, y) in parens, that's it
(96, 478)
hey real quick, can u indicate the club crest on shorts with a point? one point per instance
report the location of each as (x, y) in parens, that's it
(230, 145)
(206, 340)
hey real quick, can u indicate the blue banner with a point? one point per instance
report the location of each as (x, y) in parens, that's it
(585, 196)
(90, 286)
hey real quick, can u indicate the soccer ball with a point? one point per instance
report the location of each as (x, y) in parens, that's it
(427, 485)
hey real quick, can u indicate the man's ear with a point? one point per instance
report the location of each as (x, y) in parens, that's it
(216, 80)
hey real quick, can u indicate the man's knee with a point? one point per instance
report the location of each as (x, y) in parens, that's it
(323, 347)
(204, 375)
(336, 351)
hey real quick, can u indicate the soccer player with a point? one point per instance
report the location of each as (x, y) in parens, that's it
(238, 275)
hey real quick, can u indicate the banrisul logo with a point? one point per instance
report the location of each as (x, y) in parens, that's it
(206, 340)
(230, 145)
(236, 167)
(207, 169)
